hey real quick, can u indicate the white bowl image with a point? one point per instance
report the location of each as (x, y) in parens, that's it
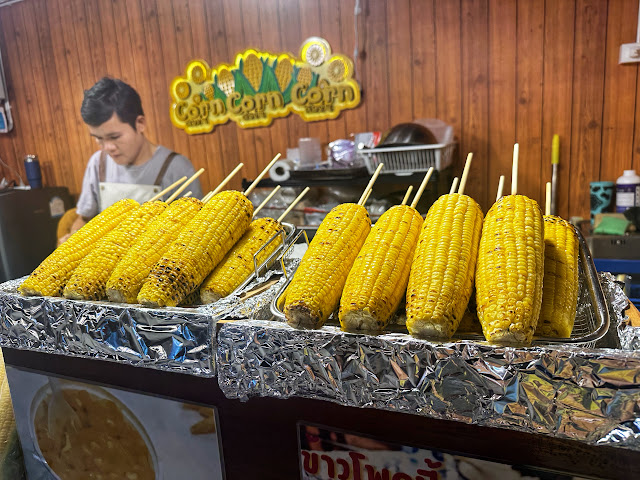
(90, 448)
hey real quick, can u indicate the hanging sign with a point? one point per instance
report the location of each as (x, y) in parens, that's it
(261, 86)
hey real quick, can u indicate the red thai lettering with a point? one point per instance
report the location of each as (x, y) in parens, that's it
(355, 458)
(401, 476)
(346, 469)
(331, 468)
(310, 462)
(373, 473)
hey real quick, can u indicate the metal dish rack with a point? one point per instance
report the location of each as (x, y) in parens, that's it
(592, 316)
(410, 159)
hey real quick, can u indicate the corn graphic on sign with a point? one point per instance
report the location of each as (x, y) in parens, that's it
(261, 86)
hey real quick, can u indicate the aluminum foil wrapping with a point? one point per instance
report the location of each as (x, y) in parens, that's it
(174, 339)
(590, 395)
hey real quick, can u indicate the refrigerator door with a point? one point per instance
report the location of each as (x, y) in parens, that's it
(28, 223)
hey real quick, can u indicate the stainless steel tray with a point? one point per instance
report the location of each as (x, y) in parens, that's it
(287, 235)
(592, 314)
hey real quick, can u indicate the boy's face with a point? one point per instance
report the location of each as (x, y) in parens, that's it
(118, 139)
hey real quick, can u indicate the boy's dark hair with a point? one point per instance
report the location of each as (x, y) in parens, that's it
(107, 96)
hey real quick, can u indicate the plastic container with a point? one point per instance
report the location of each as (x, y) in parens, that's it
(32, 167)
(627, 191)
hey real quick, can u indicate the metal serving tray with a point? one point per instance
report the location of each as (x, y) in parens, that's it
(592, 314)
(287, 235)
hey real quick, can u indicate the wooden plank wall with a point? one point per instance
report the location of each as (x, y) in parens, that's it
(499, 71)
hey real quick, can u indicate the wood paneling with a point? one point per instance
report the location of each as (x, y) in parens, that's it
(499, 71)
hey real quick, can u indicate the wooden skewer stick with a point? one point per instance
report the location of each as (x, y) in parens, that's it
(454, 185)
(500, 188)
(423, 185)
(370, 185)
(514, 171)
(184, 185)
(406, 195)
(266, 200)
(366, 198)
(262, 174)
(293, 204)
(207, 197)
(170, 187)
(226, 179)
(188, 194)
(547, 203)
(465, 173)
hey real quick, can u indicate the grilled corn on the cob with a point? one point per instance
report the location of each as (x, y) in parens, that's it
(127, 278)
(198, 249)
(510, 270)
(237, 265)
(89, 281)
(314, 292)
(378, 279)
(443, 267)
(51, 276)
(560, 284)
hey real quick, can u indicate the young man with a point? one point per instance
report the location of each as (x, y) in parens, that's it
(127, 165)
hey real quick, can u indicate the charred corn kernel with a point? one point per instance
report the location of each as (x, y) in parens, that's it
(378, 279)
(314, 291)
(198, 249)
(226, 82)
(237, 265)
(252, 69)
(510, 270)
(130, 273)
(305, 76)
(89, 281)
(443, 267)
(51, 276)
(192, 299)
(283, 72)
(560, 284)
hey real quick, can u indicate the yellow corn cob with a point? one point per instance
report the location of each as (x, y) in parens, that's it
(560, 284)
(305, 76)
(51, 276)
(208, 91)
(378, 279)
(192, 299)
(89, 281)
(283, 72)
(198, 249)
(314, 292)
(226, 82)
(7, 421)
(443, 267)
(237, 265)
(510, 270)
(252, 69)
(127, 278)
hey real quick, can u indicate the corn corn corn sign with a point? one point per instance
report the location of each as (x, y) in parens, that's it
(261, 86)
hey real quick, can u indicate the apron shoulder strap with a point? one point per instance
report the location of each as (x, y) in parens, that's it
(102, 166)
(164, 168)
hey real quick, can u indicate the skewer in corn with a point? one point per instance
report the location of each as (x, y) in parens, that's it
(199, 247)
(407, 195)
(510, 267)
(454, 186)
(500, 188)
(238, 264)
(378, 279)
(560, 284)
(188, 194)
(89, 280)
(443, 267)
(127, 278)
(314, 292)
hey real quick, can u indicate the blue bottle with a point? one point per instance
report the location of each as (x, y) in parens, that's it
(32, 166)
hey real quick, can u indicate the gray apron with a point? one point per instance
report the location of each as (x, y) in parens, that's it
(111, 192)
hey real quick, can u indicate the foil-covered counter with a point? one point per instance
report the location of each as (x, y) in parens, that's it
(590, 395)
(174, 339)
